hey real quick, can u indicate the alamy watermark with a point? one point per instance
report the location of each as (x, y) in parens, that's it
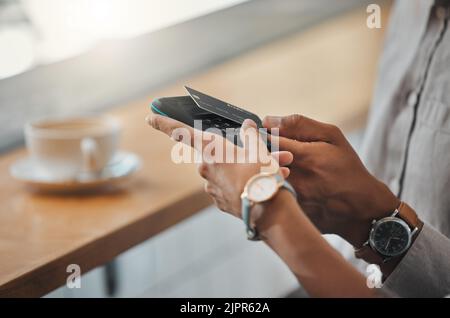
(74, 278)
(215, 145)
(374, 276)
(373, 20)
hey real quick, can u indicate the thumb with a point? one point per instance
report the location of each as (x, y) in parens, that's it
(251, 136)
(254, 143)
(248, 123)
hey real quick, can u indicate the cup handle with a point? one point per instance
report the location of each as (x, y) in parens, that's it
(89, 152)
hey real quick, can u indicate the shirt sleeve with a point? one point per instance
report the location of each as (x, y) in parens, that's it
(425, 269)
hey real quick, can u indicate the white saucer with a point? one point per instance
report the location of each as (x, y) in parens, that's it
(121, 166)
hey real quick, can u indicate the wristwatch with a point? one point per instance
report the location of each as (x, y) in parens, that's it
(260, 188)
(391, 236)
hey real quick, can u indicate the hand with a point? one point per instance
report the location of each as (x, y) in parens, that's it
(334, 188)
(226, 181)
(319, 268)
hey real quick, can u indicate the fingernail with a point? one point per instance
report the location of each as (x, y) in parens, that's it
(248, 123)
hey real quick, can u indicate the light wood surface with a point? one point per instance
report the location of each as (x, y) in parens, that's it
(326, 73)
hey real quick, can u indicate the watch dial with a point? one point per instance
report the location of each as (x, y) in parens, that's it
(391, 238)
(262, 188)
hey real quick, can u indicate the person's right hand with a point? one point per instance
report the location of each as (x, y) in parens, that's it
(334, 188)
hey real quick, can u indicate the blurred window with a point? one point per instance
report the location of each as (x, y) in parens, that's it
(34, 32)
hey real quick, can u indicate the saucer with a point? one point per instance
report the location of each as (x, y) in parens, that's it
(120, 167)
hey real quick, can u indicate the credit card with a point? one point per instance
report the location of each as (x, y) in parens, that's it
(222, 108)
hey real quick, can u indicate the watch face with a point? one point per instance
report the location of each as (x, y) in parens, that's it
(262, 188)
(390, 236)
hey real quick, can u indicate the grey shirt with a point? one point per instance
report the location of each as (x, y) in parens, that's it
(407, 142)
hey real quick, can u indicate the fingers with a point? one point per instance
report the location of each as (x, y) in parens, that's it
(210, 189)
(302, 128)
(172, 128)
(248, 133)
(248, 123)
(296, 148)
(216, 195)
(165, 124)
(203, 170)
(285, 172)
(180, 131)
(254, 145)
(284, 158)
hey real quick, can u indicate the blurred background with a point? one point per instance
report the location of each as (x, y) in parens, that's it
(76, 56)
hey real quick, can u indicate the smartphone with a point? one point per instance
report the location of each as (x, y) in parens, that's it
(212, 112)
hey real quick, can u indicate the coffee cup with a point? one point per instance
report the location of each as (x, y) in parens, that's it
(65, 148)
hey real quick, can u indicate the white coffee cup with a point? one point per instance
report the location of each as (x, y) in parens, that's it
(65, 148)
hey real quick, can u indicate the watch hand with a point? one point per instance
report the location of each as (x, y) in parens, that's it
(387, 243)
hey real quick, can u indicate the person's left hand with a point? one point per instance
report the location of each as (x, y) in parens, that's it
(226, 181)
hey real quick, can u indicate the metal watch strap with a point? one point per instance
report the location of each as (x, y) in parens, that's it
(246, 205)
(407, 214)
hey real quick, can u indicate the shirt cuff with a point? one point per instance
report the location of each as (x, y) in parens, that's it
(424, 270)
